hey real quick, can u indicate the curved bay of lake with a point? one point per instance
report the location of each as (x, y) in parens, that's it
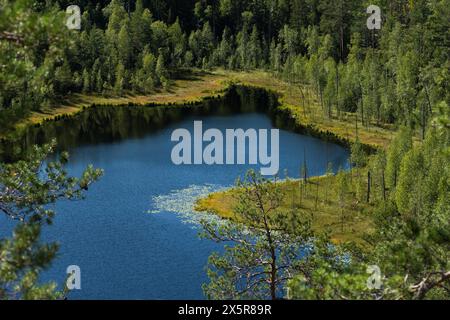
(135, 235)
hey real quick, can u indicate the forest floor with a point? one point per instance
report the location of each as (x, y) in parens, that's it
(347, 222)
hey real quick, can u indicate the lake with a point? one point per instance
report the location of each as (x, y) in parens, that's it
(136, 235)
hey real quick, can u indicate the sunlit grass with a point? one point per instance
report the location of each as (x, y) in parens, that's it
(318, 199)
(298, 100)
(304, 106)
(183, 90)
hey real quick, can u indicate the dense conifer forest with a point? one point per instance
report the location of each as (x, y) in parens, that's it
(394, 78)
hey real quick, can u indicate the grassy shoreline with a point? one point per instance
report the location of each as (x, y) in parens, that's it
(318, 199)
(298, 105)
(297, 101)
(304, 108)
(199, 86)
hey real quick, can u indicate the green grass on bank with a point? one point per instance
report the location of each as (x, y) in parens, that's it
(298, 100)
(185, 89)
(305, 108)
(319, 198)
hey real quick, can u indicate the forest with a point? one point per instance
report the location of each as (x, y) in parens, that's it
(395, 75)
(394, 79)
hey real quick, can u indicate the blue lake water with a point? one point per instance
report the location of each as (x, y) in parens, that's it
(126, 236)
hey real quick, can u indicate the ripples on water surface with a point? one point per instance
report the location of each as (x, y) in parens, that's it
(135, 236)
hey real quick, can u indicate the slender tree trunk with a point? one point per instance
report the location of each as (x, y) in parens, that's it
(273, 275)
(337, 92)
(273, 262)
(321, 97)
(422, 107)
(342, 42)
(362, 111)
(317, 194)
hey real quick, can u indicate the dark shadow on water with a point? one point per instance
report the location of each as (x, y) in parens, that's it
(100, 124)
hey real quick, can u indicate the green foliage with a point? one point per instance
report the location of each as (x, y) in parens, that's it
(358, 155)
(27, 187)
(396, 75)
(341, 281)
(399, 146)
(161, 70)
(397, 78)
(411, 241)
(22, 258)
(31, 43)
(145, 78)
(121, 79)
(259, 256)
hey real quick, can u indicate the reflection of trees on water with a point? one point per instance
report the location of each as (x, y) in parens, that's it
(100, 124)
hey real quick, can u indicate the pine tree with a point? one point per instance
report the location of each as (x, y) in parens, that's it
(343, 186)
(146, 76)
(161, 70)
(254, 54)
(225, 50)
(407, 79)
(330, 91)
(124, 46)
(63, 79)
(398, 147)
(27, 199)
(86, 81)
(99, 81)
(177, 44)
(120, 82)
